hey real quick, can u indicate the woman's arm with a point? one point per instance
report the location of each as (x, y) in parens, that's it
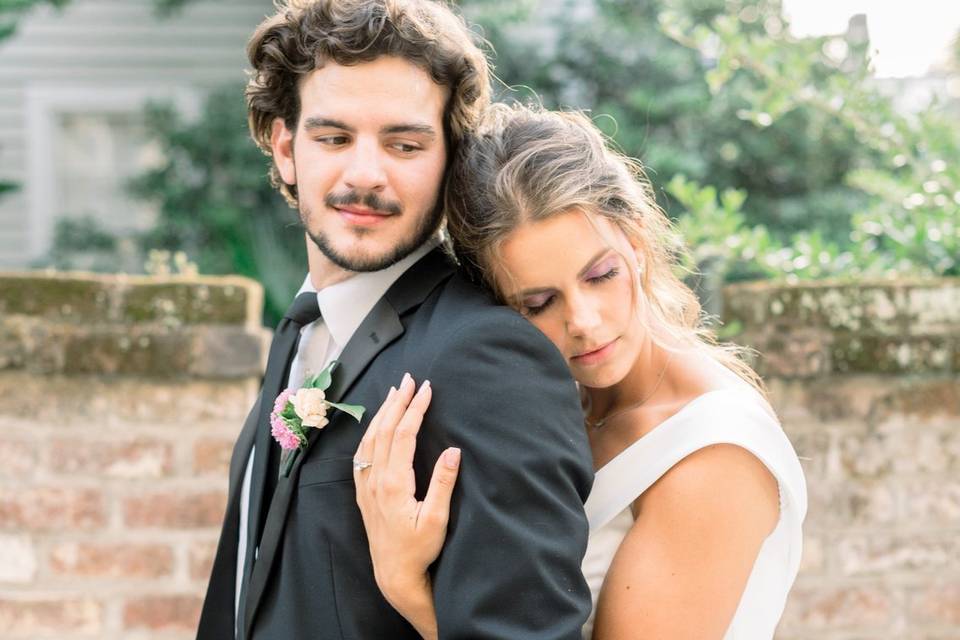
(683, 566)
(405, 535)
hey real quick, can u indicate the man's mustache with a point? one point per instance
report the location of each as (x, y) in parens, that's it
(369, 200)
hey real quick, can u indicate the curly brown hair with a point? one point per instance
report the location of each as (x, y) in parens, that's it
(304, 34)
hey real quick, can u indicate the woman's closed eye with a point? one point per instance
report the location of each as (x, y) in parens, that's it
(607, 275)
(605, 270)
(537, 304)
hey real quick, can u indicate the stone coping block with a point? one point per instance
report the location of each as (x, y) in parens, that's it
(79, 323)
(85, 298)
(874, 326)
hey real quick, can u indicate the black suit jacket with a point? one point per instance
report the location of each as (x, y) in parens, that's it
(510, 567)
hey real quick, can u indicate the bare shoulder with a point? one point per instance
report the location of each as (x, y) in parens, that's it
(719, 485)
(696, 538)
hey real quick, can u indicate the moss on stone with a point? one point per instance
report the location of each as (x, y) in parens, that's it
(889, 308)
(189, 303)
(88, 298)
(857, 353)
(888, 327)
(52, 297)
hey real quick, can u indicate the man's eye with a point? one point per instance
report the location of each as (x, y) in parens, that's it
(333, 140)
(404, 147)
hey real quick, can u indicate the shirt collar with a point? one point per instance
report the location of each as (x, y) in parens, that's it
(345, 304)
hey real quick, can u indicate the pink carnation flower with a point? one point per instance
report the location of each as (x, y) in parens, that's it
(281, 402)
(282, 433)
(279, 428)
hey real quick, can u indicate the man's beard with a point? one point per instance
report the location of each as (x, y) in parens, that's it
(360, 264)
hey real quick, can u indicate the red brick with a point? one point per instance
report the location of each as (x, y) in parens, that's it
(840, 608)
(852, 502)
(83, 559)
(134, 459)
(212, 455)
(175, 510)
(163, 613)
(17, 459)
(201, 559)
(937, 604)
(18, 559)
(53, 617)
(51, 508)
(879, 554)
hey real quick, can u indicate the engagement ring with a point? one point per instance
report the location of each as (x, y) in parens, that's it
(360, 465)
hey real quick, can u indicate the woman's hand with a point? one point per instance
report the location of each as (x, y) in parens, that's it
(405, 535)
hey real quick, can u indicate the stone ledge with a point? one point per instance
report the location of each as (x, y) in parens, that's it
(880, 326)
(79, 324)
(81, 298)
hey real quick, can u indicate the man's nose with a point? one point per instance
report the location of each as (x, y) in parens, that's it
(365, 171)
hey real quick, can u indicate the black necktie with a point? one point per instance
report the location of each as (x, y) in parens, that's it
(266, 459)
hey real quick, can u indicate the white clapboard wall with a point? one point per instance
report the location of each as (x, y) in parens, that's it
(72, 86)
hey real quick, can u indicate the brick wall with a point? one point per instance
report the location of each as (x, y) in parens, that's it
(865, 379)
(120, 399)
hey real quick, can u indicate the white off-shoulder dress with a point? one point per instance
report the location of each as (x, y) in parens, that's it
(725, 416)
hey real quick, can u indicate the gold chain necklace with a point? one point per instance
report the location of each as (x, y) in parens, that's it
(602, 421)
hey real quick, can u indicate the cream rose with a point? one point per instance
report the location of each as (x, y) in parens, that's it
(310, 405)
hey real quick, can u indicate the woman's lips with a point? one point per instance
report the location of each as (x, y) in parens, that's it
(597, 355)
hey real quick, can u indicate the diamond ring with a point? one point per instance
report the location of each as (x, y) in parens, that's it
(360, 465)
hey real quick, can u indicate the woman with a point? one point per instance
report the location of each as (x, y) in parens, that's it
(698, 500)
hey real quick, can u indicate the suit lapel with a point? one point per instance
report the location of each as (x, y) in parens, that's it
(218, 608)
(242, 449)
(380, 328)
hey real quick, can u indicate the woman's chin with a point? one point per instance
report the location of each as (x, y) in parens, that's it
(600, 378)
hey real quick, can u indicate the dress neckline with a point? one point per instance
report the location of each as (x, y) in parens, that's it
(676, 414)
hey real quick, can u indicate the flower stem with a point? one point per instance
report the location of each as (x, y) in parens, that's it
(288, 463)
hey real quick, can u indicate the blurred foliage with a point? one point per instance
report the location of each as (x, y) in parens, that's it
(775, 154)
(909, 172)
(85, 232)
(216, 203)
(615, 59)
(83, 243)
(166, 263)
(11, 11)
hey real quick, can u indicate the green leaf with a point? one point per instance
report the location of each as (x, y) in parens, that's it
(289, 413)
(323, 379)
(354, 410)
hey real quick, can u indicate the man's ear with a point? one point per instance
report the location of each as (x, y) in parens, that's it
(281, 144)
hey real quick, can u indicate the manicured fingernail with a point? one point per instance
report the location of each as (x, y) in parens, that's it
(424, 387)
(407, 380)
(451, 458)
(391, 393)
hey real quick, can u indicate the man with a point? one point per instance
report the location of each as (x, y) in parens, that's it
(361, 103)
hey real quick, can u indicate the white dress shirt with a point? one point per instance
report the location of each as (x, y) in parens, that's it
(343, 305)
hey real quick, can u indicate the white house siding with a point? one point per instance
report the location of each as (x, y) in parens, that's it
(100, 57)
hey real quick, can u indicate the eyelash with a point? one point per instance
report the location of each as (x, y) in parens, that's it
(333, 140)
(409, 148)
(401, 147)
(535, 311)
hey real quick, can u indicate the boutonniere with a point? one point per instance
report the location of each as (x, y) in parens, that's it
(295, 411)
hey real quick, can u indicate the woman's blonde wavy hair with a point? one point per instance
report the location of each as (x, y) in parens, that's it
(303, 35)
(525, 164)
